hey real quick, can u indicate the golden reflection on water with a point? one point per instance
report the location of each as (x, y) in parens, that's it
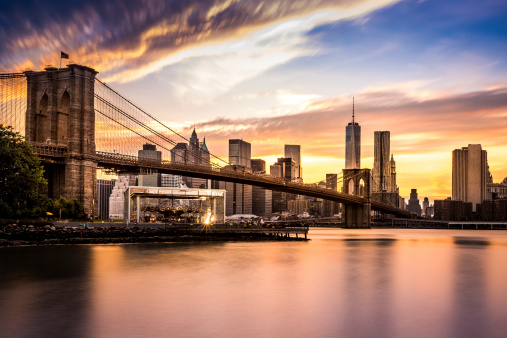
(342, 283)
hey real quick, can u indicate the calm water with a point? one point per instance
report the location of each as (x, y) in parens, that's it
(343, 283)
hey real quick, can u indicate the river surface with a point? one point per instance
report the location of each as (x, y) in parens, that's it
(342, 283)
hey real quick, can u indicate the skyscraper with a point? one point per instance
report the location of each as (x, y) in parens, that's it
(294, 151)
(381, 164)
(469, 174)
(194, 152)
(413, 203)
(104, 189)
(238, 197)
(258, 166)
(240, 153)
(353, 143)
(394, 188)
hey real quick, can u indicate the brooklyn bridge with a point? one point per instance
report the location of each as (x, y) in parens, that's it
(78, 124)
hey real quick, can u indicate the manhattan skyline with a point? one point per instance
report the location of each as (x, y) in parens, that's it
(280, 73)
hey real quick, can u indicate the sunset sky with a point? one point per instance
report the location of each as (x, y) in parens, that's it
(433, 73)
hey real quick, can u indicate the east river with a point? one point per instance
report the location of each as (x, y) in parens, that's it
(342, 283)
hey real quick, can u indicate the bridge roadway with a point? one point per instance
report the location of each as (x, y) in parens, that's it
(131, 164)
(123, 163)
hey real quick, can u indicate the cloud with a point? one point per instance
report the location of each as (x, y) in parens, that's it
(134, 38)
(423, 134)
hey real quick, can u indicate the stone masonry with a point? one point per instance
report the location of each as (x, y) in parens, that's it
(60, 111)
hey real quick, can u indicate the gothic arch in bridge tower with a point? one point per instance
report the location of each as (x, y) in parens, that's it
(41, 120)
(357, 182)
(60, 113)
(62, 119)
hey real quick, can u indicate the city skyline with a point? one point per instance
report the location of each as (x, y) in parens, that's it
(274, 74)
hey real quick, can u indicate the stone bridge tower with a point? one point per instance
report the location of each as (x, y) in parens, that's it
(357, 182)
(60, 112)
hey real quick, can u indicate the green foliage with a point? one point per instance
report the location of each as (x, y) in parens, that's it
(70, 209)
(21, 178)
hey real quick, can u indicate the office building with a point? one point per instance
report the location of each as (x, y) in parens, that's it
(450, 210)
(238, 198)
(288, 168)
(150, 151)
(353, 143)
(469, 174)
(116, 203)
(104, 189)
(171, 181)
(381, 164)
(275, 170)
(258, 166)
(330, 208)
(294, 151)
(426, 205)
(262, 200)
(393, 188)
(194, 152)
(413, 203)
(240, 153)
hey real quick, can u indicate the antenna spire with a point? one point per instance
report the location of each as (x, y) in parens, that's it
(352, 110)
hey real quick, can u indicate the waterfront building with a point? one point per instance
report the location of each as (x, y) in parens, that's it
(493, 210)
(452, 210)
(413, 203)
(294, 151)
(469, 174)
(305, 205)
(381, 164)
(238, 197)
(498, 190)
(353, 143)
(160, 180)
(171, 181)
(104, 190)
(262, 200)
(173, 205)
(116, 202)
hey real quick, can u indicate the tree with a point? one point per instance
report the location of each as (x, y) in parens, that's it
(22, 182)
(71, 209)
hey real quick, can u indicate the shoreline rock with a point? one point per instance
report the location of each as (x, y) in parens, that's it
(14, 235)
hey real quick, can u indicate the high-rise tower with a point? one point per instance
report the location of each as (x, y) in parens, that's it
(394, 188)
(353, 143)
(469, 174)
(381, 163)
(294, 151)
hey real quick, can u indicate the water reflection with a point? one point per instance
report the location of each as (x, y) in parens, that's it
(343, 283)
(367, 287)
(469, 312)
(39, 285)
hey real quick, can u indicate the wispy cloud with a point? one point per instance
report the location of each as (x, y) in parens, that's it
(134, 38)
